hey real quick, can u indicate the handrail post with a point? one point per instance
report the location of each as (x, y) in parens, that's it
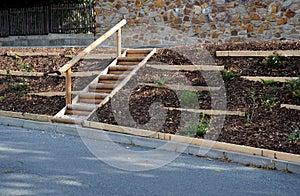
(119, 42)
(68, 86)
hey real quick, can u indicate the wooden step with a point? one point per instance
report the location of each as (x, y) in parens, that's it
(67, 120)
(128, 63)
(102, 86)
(90, 101)
(138, 51)
(136, 55)
(130, 59)
(77, 112)
(116, 72)
(93, 95)
(120, 68)
(112, 77)
(80, 107)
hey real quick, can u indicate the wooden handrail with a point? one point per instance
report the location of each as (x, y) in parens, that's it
(67, 67)
(92, 46)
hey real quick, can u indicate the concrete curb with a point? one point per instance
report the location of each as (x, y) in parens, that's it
(191, 149)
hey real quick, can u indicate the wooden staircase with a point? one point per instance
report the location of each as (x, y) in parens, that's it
(104, 86)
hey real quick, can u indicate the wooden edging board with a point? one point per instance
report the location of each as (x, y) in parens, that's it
(187, 67)
(182, 87)
(51, 94)
(275, 79)
(41, 74)
(27, 116)
(288, 106)
(195, 141)
(209, 112)
(250, 53)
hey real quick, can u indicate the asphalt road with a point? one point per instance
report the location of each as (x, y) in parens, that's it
(43, 163)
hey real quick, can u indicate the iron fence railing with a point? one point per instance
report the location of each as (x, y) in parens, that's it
(65, 18)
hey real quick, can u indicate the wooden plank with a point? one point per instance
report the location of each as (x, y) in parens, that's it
(182, 87)
(30, 54)
(68, 87)
(41, 74)
(92, 46)
(51, 94)
(288, 106)
(208, 112)
(276, 79)
(28, 116)
(249, 53)
(187, 67)
(81, 107)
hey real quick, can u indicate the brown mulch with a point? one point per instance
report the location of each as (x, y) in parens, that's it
(265, 125)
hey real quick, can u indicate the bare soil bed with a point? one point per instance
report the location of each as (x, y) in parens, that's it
(265, 124)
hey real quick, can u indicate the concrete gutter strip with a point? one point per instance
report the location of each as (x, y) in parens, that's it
(196, 150)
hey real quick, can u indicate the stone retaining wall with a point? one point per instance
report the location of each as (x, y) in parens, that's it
(177, 22)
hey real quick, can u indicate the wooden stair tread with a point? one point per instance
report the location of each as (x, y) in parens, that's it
(130, 59)
(81, 107)
(120, 68)
(112, 77)
(102, 86)
(93, 95)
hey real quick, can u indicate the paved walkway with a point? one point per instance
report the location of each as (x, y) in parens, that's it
(42, 163)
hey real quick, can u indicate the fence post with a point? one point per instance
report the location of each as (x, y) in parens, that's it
(119, 44)
(68, 86)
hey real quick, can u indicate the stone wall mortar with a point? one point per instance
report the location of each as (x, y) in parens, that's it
(165, 22)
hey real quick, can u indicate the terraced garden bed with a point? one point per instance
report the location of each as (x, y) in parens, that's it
(260, 121)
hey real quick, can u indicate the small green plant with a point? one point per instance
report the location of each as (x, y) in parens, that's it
(189, 97)
(293, 87)
(25, 66)
(199, 128)
(268, 82)
(274, 89)
(276, 60)
(294, 136)
(267, 102)
(161, 81)
(21, 88)
(2, 97)
(229, 74)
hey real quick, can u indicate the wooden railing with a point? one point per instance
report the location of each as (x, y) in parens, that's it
(67, 67)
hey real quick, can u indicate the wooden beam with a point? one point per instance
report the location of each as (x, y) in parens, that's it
(249, 53)
(68, 86)
(41, 74)
(28, 116)
(29, 54)
(276, 79)
(182, 87)
(187, 67)
(288, 106)
(208, 112)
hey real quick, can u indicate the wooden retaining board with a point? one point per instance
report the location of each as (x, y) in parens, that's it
(187, 67)
(41, 74)
(288, 106)
(249, 53)
(28, 116)
(276, 79)
(195, 141)
(208, 112)
(182, 87)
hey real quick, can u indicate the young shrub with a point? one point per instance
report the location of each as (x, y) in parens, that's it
(275, 61)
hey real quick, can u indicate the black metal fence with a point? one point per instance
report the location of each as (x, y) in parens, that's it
(66, 18)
